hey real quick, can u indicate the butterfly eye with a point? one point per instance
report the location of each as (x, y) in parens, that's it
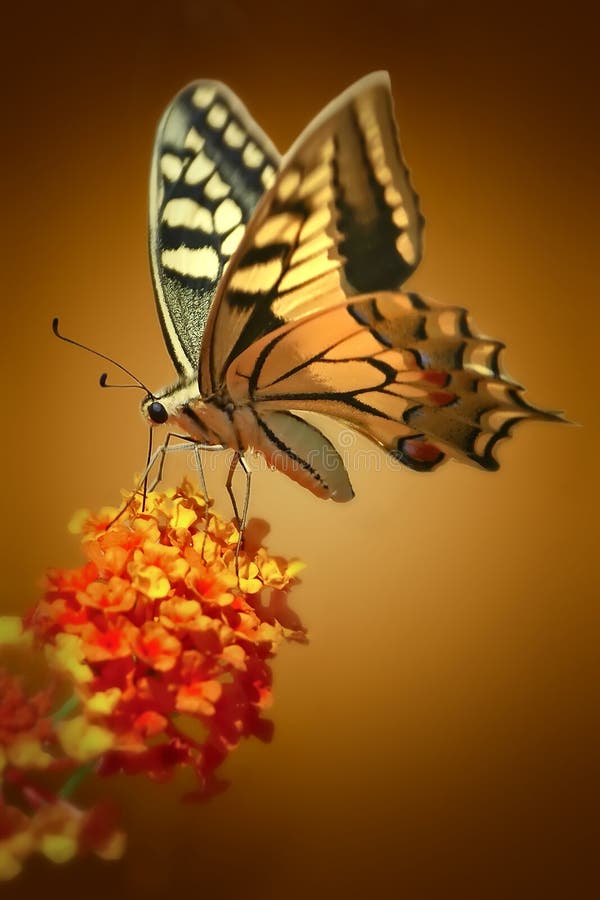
(158, 413)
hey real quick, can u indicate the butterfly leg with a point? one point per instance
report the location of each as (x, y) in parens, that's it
(198, 462)
(142, 483)
(248, 474)
(200, 468)
(238, 459)
(233, 465)
(162, 453)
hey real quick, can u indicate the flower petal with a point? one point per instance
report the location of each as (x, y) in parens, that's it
(82, 740)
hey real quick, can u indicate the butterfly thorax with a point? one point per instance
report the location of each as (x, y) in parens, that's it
(208, 420)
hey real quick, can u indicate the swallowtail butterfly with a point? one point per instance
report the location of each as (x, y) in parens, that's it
(279, 290)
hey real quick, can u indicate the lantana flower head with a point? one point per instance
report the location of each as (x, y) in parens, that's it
(156, 652)
(166, 637)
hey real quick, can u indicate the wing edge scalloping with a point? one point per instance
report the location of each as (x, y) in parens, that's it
(513, 407)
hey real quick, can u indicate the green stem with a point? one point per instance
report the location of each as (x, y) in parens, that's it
(72, 783)
(66, 709)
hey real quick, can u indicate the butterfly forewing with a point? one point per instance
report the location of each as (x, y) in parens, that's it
(211, 164)
(341, 218)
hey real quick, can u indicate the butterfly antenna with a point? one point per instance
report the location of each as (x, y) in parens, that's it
(103, 382)
(109, 359)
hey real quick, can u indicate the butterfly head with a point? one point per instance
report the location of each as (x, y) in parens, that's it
(158, 409)
(154, 411)
(181, 408)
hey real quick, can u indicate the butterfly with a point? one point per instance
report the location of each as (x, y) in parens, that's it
(278, 285)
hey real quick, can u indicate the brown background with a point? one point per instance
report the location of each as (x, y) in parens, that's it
(437, 737)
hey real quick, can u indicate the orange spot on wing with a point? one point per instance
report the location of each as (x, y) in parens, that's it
(421, 451)
(438, 378)
(442, 398)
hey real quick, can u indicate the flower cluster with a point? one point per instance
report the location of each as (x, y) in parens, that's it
(34, 818)
(164, 638)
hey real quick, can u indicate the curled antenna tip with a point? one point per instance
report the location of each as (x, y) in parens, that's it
(104, 377)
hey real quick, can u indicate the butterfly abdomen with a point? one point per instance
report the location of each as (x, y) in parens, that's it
(297, 449)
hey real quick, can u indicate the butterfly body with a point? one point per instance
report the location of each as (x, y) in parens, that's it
(287, 442)
(279, 286)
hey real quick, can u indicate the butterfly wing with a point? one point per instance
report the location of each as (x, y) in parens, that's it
(309, 315)
(412, 375)
(210, 166)
(340, 219)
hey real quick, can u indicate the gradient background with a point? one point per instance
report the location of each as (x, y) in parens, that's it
(437, 737)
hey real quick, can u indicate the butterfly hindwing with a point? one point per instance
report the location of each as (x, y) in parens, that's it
(341, 218)
(211, 164)
(412, 375)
